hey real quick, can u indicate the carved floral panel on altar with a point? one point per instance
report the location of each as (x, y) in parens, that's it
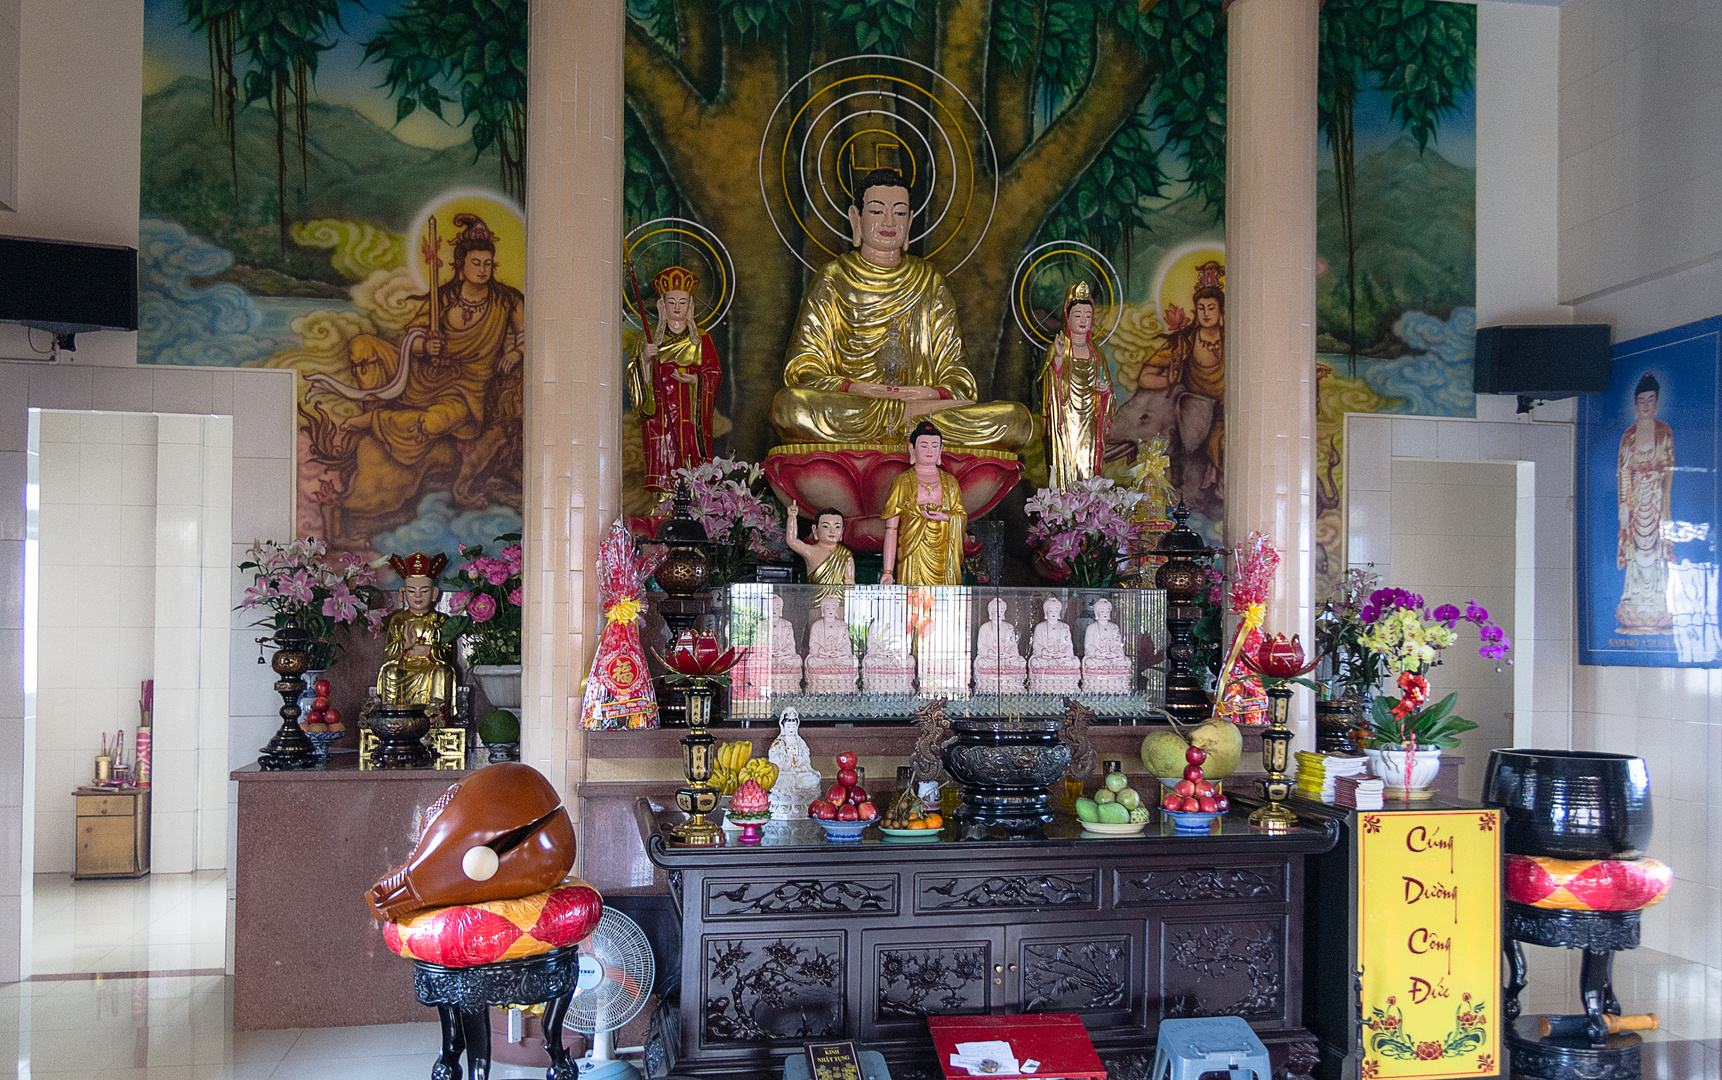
(340, 195)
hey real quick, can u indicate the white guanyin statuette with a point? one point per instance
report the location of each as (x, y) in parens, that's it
(999, 666)
(831, 666)
(797, 780)
(1052, 664)
(1105, 668)
(887, 668)
(785, 660)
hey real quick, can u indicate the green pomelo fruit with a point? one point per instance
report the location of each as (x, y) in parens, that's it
(1128, 799)
(1163, 751)
(499, 726)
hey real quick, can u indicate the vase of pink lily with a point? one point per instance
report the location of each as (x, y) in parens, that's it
(729, 498)
(1083, 531)
(1408, 733)
(484, 599)
(298, 585)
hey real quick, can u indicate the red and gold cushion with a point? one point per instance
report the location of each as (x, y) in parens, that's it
(1587, 884)
(470, 934)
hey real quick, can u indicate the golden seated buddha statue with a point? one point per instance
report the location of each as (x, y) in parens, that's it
(877, 346)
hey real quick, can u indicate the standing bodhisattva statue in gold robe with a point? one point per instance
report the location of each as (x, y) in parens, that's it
(416, 668)
(1075, 395)
(877, 346)
(925, 522)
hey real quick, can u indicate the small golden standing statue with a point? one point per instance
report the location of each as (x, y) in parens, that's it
(1075, 395)
(417, 669)
(924, 518)
(828, 561)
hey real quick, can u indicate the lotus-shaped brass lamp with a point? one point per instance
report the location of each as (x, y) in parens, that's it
(1278, 663)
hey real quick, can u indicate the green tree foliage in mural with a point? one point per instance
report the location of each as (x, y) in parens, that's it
(280, 41)
(471, 53)
(1095, 107)
(1423, 54)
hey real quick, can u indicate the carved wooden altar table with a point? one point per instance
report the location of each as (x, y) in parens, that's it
(795, 940)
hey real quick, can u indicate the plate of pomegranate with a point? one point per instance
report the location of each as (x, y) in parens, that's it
(845, 809)
(1192, 803)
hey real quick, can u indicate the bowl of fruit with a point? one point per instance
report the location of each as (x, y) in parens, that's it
(1116, 809)
(322, 721)
(1193, 802)
(908, 820)
(845, 809)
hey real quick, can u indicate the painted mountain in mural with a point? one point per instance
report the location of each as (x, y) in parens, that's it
(355, 170)
(1416, 222)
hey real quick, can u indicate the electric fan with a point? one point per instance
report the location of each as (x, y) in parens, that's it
(615, 978)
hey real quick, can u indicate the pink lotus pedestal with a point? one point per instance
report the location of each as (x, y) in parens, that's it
(856, 480)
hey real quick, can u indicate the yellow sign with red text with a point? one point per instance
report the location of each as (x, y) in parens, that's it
(1429, 943)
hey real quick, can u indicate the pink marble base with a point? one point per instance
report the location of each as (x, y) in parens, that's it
(831, 680)
(996, 681)
(786, 680)
(1107, 680)
(888, 680)
(1054, 680)
(306, 951)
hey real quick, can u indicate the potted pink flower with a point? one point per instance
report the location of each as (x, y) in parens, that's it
(485, 602)
(1083, 530)
(728, 497)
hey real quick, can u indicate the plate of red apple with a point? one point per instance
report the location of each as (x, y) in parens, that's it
(845, 809)
(1193, 802)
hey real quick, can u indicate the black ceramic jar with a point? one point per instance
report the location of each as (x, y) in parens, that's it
(1571, 804)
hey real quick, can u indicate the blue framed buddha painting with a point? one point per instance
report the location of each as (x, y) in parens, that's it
(1647, 504)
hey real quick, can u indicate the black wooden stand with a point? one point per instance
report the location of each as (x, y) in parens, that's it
(463, 998)
(1599, 1055)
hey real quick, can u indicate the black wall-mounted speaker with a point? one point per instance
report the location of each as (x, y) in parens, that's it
(1543, 361)
(67, 288)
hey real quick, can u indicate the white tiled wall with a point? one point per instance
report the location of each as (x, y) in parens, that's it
(1542, 538)
(1640, 140)
(97, 551)
(1453, 541)
(134, 532)
(261, 404)
(1641, 248)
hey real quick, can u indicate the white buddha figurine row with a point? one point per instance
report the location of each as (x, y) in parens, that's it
(1052, 666)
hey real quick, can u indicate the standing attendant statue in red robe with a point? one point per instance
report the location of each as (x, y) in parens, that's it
(673, 377)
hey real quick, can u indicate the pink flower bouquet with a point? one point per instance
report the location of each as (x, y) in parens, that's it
(485, 601)
(1084, 529)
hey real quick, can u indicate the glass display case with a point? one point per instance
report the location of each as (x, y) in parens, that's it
(878, 652)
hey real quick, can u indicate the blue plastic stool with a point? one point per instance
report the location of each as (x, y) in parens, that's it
(1189, 1048)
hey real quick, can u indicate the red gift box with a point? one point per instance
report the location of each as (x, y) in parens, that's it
(1058, 1041)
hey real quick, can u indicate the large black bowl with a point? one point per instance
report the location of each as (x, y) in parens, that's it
(1571, 804)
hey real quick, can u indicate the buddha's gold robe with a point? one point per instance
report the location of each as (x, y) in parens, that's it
(415, 680)
(928, 552)
(1076, 404)
(846, 317)
(835, 569)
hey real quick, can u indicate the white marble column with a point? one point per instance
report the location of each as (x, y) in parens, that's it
(1271, 147)
(573, 361)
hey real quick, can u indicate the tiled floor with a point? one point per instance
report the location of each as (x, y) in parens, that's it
(164, 922)
(180, 1026)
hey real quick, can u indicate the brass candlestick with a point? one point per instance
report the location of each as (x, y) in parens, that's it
(698, 798)
(1276, 756)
